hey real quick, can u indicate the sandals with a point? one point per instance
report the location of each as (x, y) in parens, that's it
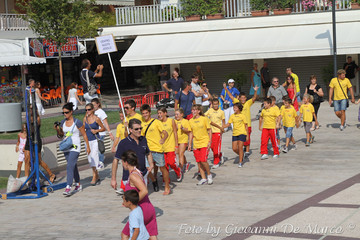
(97, 182)
(52, 178)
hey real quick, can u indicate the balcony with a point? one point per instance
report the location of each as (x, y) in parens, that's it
(13, 22)
(162, 13)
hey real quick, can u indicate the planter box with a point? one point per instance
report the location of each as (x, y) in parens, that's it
(258, 13)
(282, 11)
(355, 5)
(193, 18)
(215, 16)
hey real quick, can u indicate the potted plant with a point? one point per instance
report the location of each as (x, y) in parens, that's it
(259, 7)
(213, 9)
(150, 80)
(240, 78)
(191, 9)
(308, 5)
(281, 7)
(355, 4)
(169, 13)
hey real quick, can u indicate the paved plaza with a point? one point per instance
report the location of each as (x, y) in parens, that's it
(309, 193)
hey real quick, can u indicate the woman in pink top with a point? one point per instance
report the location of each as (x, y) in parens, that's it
(136, 182)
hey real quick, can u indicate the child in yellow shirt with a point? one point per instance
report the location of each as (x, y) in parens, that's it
(288, 115)
(121, 132)
(307, 112)
(183, 130)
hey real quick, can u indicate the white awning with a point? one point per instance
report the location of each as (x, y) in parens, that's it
(115, 2)
(15, 52)
(252, 43)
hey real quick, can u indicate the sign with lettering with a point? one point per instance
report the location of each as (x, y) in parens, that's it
(39, 47)
(105, 44)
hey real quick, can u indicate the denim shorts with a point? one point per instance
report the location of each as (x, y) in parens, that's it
(241, 137)
(289, 131)
(158, 158)
(340, 105)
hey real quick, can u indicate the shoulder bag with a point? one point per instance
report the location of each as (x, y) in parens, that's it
(91, 87)
(66, 143)
(101, 144)
(148, 127)
(347, 99)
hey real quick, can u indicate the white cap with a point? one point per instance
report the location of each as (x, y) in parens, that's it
(231, 80)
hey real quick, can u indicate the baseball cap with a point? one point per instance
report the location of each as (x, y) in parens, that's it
(231, 80)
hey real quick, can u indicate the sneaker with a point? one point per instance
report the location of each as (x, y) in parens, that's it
(341, 128)
(247, 154)
(345, 125)
(307, 144)
(209, 180)
(264, 156)
(285, 150)
(163, 184)
(100, 166)
(156, 186)
(180, 177)
(222, 160)
(312, 139)
(215, 166)
(294, 147)
(78, 188)
(120, 191)
(202, 182)
(276, 156)
(67, 191)
(240, 165)
(187, 167)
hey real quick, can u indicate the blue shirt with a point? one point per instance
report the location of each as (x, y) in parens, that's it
(185, 101)
(233, 91)
(136, 220)
(141, 150)
(175, 85)
(84, 80)
(88, 127)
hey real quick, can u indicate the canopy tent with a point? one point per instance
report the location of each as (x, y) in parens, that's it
(242, 44)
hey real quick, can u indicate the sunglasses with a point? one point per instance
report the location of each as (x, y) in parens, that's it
(276, 81)
(137, 129)
(204, 85)
(65, 112)
(88, 109)
(127, 108)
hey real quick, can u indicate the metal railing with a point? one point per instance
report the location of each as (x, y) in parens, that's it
(13, 22)
(232, 9)
(148, 14)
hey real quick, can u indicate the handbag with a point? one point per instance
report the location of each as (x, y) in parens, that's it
(91, 87)
(347, 99)
(101, 144)
(66, 143)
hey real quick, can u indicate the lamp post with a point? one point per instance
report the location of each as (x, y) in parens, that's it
(334, 36)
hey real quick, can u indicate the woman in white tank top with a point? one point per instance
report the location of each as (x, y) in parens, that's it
(73, 97)
(38, 99)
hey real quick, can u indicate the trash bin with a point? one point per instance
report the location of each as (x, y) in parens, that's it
(10, 117)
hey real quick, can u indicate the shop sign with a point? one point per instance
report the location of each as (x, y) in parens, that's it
(42, 48)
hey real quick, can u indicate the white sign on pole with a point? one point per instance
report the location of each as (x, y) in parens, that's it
(105, 44)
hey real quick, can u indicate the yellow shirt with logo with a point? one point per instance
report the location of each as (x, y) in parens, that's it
(217, 117)
(120, 131)
(238, 121)
(338, 93)
(296, 81)
(153, 135)
(307, 111)
(169, 144)
(269, 117)
(288, 116)
(182, 136)
(200, 128)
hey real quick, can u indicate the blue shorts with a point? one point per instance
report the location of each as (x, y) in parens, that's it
(241, 137)
(298, 97)
(158, 158)
(289, 131)
(340, 105)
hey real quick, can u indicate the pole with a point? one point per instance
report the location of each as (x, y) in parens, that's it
(117, 89)
(334, 36)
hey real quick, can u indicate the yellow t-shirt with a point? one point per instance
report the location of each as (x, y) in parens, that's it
(169, 144)
(246, 111)
(289, 115)
(269, 117)
(338, 93)
(153, 135)
(296, 81)
(182, 136)
(120, 131)
(238, 121)
(215, 116)
(307, 111)
(200, 128)
(136, 115)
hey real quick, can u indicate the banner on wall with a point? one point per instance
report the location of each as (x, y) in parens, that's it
(42, 48)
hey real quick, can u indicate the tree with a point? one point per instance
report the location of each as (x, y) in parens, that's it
(55, 20)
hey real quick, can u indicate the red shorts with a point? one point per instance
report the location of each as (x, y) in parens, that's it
(201, 154)
(170, 158)
(247, 143)
(190, 116)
